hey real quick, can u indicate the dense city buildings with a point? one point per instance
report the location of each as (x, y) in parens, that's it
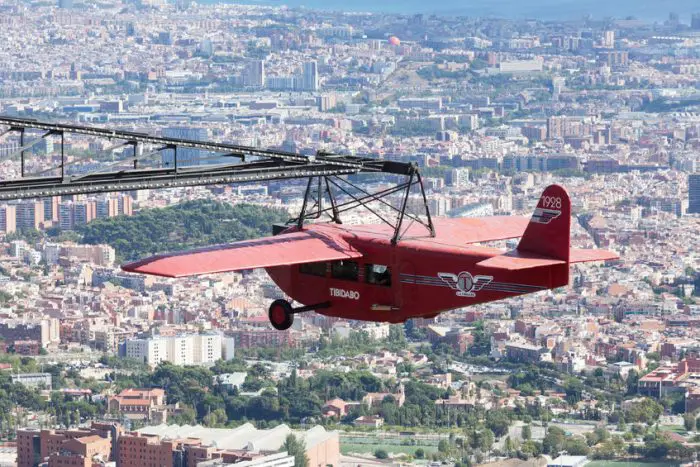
(103, 367)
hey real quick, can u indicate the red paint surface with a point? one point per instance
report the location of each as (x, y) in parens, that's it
(428, 275)
(293, 248)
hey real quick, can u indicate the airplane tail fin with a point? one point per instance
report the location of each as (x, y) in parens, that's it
(546, 241)
(549, 229)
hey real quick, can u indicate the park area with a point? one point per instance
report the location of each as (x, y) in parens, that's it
(393, 444)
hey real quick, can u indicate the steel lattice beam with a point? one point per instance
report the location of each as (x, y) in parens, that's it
(264, 165)
(159, 178)
(232, 149)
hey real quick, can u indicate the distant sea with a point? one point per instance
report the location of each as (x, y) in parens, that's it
(647, 10)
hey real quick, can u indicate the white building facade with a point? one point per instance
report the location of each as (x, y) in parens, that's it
(188, 349)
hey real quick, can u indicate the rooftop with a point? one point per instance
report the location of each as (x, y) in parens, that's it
(244, 437)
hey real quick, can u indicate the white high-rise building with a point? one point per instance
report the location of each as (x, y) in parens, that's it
(151, 350)
(609, 39)
(255, 74)
(310, 78)
(228, 344)
(460, 177)
(208, 348)
(180, 350)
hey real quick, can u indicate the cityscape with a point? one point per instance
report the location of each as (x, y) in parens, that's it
(103, 367)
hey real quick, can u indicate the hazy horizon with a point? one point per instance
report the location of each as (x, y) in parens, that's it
(648, 10)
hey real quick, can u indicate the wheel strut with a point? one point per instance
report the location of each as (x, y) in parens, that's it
(281, 313)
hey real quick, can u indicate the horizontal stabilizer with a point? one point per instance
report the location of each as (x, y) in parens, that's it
(584, 256)
(517, 260)
(281, 250)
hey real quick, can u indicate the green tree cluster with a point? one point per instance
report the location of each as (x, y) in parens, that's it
(657, 445)
(185, 225)
(645, 411)
(296, 448)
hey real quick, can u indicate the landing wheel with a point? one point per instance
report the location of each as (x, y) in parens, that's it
(281, 315)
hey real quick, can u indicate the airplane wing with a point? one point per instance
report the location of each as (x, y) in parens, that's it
(292, 248)
(482, 229)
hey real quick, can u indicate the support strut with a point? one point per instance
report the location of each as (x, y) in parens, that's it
(334, 208)
(305, 308)
(364, 198)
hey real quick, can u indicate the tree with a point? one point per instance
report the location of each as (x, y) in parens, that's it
(443, 446)
(482, 342)
(397, 337)
(379, 454)
(621, 425)
(674, 402)
(553, 441)
(420, 453)
(526, 433)
(296, 448)
(484, 440)
(508, 445)
(186, 416)
(217, 418)
(689, 422)
(645, 411)
(498, 422)
(576, 446)
(530, 449)
(574, 389)
(259, 370)
(632, 382)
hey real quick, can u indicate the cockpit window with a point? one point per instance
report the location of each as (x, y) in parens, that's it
(346, 270)
(378, 274)
(313, 269)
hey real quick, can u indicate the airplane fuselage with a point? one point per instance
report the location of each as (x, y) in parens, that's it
(358, 272)
(415, 278)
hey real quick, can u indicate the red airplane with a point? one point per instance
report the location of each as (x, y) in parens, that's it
(358, 272)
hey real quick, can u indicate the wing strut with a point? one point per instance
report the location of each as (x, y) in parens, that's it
(319, 188)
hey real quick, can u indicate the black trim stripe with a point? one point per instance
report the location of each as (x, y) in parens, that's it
(492, 285)
(506, 287)
(438, 281)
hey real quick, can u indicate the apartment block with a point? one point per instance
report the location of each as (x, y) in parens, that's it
(191, 349)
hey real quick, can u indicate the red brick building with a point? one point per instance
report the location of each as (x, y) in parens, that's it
(67, 447)
(140, 404)
(145, 451)
(82, 452)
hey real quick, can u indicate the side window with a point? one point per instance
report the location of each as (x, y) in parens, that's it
(313, 269)
(346, 270)
(378, 274)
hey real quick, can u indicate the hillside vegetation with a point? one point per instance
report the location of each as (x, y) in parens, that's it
(186, 225)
